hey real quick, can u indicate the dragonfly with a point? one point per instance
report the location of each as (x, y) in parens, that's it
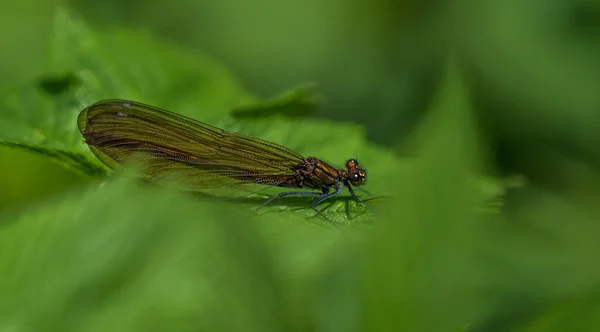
(170, 146)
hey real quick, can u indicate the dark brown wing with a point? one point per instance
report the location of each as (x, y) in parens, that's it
(168, 146)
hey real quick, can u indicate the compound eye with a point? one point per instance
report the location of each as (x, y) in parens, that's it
(351, 163)
(354, 176)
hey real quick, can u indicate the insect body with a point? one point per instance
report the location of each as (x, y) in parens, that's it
(201, 156)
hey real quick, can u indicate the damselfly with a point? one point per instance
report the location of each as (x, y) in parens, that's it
(167, 145)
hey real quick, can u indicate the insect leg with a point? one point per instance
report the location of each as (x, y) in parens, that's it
(324, 196)
(358, 200)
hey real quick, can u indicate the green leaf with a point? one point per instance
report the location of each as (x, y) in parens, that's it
(576, 313)
(419, 275)
(298, 102)
(123, 259)
(89, 65)
(464, 328)
(66, 158)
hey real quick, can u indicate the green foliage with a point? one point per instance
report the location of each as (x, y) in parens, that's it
(74, 160)
(298, 102)
(88, 66)
(118, 258)
(123, 257)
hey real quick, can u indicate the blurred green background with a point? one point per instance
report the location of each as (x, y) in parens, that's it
(533, 73)
(534, 63)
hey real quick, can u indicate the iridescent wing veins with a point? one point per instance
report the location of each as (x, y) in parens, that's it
(168, 146)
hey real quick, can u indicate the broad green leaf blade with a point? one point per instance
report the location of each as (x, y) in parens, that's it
(580, 313)
(89, 65)
(126, 259)
(75, 161)
(298, 102)
(418, 274)
(123, 259)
